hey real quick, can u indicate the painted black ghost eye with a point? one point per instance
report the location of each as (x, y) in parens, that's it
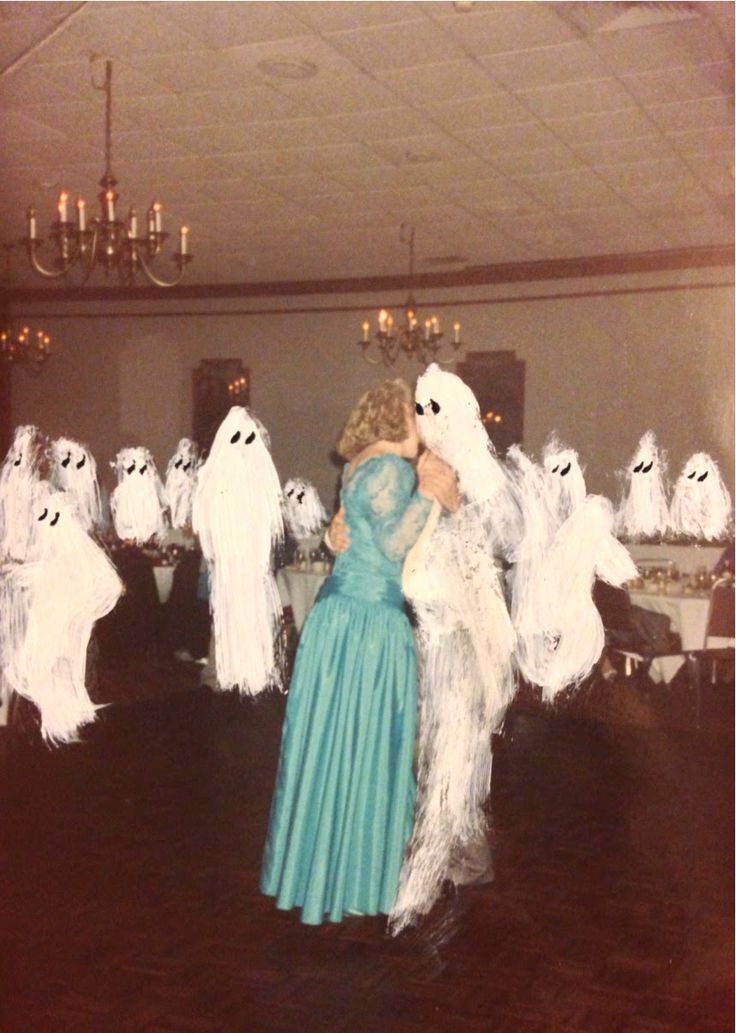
(419, 409)
(143, 469)
(289, 493)
(17, 461)
(637, 469)
(555, 468)
(434, 406)
(647, 468)
(55, 521)
(566, 471)
(130, 469)
(702, 477)
(235, 438)
(251, 438)
(43, 515)
(177, 464)
(81, 462)
(185, 468)
(65, 462)
(300, 497)
(691, 475)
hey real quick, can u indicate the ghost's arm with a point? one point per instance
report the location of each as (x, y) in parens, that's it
(614, 563)
(397, 513)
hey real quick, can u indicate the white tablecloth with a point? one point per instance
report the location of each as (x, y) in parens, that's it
(688, 615)
(687, 557)
(298, 589)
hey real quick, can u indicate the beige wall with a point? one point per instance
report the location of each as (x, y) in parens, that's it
(602, 367)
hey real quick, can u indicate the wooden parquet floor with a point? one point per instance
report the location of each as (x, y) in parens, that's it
(129, 889)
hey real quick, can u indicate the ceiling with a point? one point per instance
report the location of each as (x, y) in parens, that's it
(505, 132)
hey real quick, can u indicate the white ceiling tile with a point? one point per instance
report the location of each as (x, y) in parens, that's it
(333, 17)
(547, 159)
(632, 149)
(686, 82)
(497, 109)
(679, 191)
(377, 124)
(337, 95)
(386, 47)
(372, 177)
(578, 186)
(496, 193)
(660, 46)
(491, 28)
(418, 150)
(443, 80)
(282, 134)
(716, 173)
(581, 98)
(702, 141)
(233, 24)
(525, 69)
(611, 125)
(624, 176)
(456, 170)
(682, 116)
(527, 136)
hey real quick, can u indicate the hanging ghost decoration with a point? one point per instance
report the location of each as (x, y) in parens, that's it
(19, 477)
(701, 504)
(237, 515)
(67, 584)
(73, 469)
(304, 514)
(137, 503)
(559, 632)
(465, 643)
(181, 478)
(563, 478)
(644, 512)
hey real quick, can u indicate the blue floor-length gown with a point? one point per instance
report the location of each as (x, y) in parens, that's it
(343, 805)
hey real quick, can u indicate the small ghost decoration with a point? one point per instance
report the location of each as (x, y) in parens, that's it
(563, 478)
(19, 477)
(644, 512)
(304, 514)
(701, 504)
(137, 503)
(237, 515)
(73, 469)
(66, 585)
(465, 643)
(181, 478)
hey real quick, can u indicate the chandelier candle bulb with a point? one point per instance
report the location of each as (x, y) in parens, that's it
(31, 214)
(81, 215)
(62, 206)
(151, 221)
(132, 224)
(456, 329)
(183, 233)
(435, 325)
(427, 328)
(382, 320)
(110, 205)
(157, 216)
(366, 329)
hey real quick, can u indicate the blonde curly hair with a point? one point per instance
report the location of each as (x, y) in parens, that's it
(380, 415)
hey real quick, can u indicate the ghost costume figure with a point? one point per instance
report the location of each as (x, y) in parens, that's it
(644, 512)
(138, 501)
(563, 478)
(701, 504)
(559, 632)
(237, 515)
(465, 643)
(304, 514)
(73, 469)
(19, 478)
(181, 479)
(67, 583)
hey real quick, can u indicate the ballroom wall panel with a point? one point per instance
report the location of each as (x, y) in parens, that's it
(619, 356)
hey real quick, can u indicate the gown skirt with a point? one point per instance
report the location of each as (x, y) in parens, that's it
(343, 804)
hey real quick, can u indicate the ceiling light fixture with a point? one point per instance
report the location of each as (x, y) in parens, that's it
(415, 340)
(106, 240)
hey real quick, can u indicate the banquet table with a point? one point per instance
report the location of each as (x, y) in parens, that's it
(688, 614)
(298, 588)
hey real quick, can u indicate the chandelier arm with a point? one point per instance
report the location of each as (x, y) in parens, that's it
(155, 280)
(89, 262)
(50, 274)
(368, 359)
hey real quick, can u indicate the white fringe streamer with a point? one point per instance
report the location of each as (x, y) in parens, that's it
(237, 515)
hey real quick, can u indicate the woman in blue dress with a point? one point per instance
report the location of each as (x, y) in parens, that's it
(343, 805)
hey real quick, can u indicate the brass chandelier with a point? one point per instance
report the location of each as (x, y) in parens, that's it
(106, 240)
(412, 338)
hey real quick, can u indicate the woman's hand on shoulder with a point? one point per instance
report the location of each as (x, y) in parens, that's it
(337, 536)
(438, 481)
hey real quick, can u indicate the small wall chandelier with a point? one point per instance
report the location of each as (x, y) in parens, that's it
(27, 348)
(412, 338)
(105, 241)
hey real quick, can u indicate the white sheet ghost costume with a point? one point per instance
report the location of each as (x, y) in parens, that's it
(67, 583)
(304, 514)
(560, 634)
(19, 478)
(181, 480)
(563, 478)
(465, 643)
(137, 503)
(701, 504)
(237, 515)
(644, 512)
(73, 469)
